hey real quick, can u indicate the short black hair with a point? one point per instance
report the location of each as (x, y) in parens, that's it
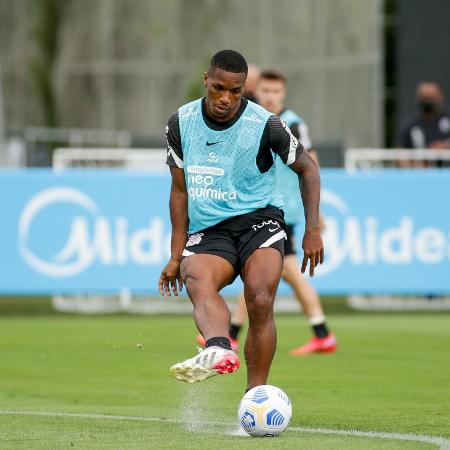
(230, 61)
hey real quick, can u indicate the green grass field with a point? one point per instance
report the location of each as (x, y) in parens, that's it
(103, 382)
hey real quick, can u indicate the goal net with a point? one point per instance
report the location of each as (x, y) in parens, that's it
(379, 158)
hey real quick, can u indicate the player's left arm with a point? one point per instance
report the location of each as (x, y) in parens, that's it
(290, 150)
(301, 132)
(309, 179)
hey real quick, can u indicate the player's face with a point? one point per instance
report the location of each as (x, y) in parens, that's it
(223, 93)
(271, 94)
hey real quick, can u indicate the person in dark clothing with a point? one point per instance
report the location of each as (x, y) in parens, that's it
(430, 128)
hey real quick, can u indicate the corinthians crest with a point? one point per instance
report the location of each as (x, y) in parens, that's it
(194, 239)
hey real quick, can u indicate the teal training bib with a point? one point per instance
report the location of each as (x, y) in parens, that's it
(221, 172)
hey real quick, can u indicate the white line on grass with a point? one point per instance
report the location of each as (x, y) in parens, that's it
(442, 443)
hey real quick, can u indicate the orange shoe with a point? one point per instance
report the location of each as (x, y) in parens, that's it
(317, 345)
(234, 342)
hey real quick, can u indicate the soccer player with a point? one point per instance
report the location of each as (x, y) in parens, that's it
(271, 93)
(251, 82)
(227, 219)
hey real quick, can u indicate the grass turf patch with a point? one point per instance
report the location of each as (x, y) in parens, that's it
(390, 374)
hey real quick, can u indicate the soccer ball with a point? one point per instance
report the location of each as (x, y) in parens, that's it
(265, 411)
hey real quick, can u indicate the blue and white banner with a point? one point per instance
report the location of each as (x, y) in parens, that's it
(78, 231)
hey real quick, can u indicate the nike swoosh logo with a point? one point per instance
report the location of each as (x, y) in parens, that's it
(212, 143)
(273, 229)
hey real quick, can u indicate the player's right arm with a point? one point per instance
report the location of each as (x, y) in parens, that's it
(178, 206)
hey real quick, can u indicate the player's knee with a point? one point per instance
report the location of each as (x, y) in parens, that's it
(193, 284)
(190, 284)
(290, 268)
(288, 275)
(197, 283)
(285, 273)
(260, 304)
(191, 277)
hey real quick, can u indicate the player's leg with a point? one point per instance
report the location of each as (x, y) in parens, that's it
(238, 317)
(261, 273)
(323, 340)
(204, 276)
(304, 291)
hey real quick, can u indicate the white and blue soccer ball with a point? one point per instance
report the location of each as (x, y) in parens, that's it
(265, 411)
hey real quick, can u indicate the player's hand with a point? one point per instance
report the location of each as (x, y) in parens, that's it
(312, 250)
(170, 275)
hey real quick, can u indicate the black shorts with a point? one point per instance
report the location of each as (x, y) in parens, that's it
(235, 239)
(290, 247)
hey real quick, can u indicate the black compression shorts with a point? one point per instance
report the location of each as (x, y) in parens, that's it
(290, 247)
